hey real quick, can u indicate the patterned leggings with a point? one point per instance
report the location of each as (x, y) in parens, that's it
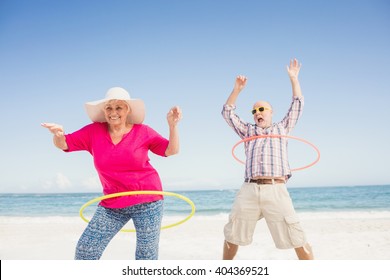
(107, 222)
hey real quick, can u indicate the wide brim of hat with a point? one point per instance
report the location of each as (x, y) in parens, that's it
(95, 110)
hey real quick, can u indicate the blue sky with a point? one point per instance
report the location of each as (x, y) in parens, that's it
(57, 55)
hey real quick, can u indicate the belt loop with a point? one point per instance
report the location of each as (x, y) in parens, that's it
(273, 181)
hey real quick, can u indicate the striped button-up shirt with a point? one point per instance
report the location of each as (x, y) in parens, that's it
(266, 157)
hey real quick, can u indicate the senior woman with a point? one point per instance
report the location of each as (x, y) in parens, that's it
(119, 144)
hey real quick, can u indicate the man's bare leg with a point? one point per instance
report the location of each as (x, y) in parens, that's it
(305, 252)
(229, 250)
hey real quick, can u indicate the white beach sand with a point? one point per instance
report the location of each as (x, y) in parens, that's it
(333, 236)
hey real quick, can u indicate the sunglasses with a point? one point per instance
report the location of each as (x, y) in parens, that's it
(260, 109)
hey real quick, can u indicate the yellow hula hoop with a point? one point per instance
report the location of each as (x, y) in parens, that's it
(100, 198)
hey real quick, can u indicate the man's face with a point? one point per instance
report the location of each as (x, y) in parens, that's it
(262, 114)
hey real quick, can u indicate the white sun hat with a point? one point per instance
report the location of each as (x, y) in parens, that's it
(95, 108)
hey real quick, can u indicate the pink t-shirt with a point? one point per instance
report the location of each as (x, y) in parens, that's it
(124, 166)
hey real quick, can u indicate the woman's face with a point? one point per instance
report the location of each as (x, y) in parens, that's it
(116, 112)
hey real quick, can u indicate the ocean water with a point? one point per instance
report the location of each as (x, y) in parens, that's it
(207, 202)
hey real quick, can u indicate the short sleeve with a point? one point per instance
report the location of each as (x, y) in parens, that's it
(80, 140)
(157, 144)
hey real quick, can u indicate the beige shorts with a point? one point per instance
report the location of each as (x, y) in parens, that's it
(272, 202)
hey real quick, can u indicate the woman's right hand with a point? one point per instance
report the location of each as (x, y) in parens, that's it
(58, 132)
(54, 128)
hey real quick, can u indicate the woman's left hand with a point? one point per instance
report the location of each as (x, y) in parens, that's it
(174, 116)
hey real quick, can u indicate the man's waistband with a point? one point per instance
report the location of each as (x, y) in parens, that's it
(264, 181)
